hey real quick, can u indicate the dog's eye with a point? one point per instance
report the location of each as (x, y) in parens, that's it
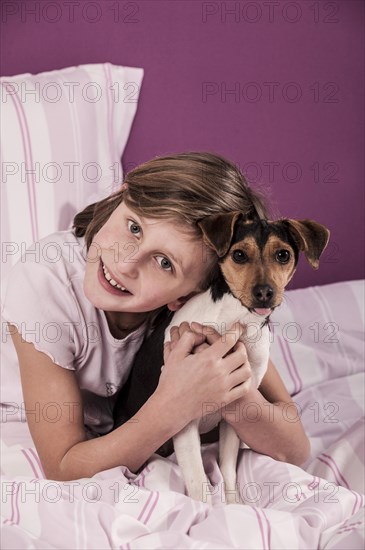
(239, 257)
(283, 256)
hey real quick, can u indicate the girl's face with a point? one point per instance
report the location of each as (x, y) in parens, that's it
(154, 260)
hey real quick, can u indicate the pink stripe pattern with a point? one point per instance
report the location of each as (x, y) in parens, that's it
(29, 166)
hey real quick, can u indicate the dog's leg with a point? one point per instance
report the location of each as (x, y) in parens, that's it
(188, 455)
(257, 342)
(229, 444)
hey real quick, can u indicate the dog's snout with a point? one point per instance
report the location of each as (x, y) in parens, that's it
(263, 293)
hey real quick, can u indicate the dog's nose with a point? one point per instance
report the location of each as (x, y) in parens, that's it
(263, 293)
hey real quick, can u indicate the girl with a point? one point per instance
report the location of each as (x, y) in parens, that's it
(95, 291)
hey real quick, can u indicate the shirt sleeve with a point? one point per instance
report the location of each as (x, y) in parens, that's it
(40, 302)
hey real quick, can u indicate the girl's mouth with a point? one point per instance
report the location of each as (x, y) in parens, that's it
(107, 282)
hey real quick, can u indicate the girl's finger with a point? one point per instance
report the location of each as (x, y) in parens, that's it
(208, 331)
(174, 334)
(177, 331)
(184, 327)
(240, 346)
(236, 359)
(239, 376)
(185, 345)
(223, 344)
(243, 372)
(202, 347)
(166, 351)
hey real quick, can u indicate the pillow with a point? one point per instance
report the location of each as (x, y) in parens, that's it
(63, 135)
(317, 334)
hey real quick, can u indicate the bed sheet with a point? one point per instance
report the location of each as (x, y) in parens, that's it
(318, 505)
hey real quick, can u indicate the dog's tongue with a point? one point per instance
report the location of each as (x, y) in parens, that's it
(262, 311)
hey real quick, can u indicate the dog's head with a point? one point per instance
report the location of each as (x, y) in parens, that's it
(258, 258)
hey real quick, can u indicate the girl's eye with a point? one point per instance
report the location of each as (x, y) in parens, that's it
(165, 264)
(133, 227)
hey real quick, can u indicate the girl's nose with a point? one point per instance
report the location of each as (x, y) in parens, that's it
(128, 261)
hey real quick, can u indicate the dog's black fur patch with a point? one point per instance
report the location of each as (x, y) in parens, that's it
(260, 230)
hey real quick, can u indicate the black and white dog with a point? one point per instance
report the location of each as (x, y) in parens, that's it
(256, 261)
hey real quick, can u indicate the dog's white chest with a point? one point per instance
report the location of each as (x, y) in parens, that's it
(219, 315)
(202, 309)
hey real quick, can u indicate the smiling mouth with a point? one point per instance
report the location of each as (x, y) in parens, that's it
(113, 283)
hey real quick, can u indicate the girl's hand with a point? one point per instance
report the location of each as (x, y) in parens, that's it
(201, 367)
(176, 333)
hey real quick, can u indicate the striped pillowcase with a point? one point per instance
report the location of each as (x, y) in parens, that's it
(63, 135)
(317, 334)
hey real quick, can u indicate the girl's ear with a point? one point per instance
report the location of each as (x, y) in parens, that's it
(177, 304)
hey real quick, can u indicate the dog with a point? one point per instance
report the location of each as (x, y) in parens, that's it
(256, 260)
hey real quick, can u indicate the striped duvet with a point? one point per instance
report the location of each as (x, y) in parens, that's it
(317, 346)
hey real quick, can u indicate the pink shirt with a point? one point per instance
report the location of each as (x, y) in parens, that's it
(44, 298)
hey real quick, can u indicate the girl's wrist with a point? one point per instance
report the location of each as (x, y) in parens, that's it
(233, 412)
(171, 413)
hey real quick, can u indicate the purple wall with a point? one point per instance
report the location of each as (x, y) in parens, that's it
(295, 123)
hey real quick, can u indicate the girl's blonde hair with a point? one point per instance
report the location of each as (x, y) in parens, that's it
(182, 188)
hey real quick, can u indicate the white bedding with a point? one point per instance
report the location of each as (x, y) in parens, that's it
(318, 349)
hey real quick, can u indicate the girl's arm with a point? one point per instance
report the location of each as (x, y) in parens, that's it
(54, 407)
(267, 420)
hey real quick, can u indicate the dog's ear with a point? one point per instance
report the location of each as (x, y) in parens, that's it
(311, 237)
(218, 231)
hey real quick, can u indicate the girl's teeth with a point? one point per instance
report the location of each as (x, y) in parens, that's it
(110, 280)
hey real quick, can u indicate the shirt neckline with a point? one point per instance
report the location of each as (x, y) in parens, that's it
(134, 335)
